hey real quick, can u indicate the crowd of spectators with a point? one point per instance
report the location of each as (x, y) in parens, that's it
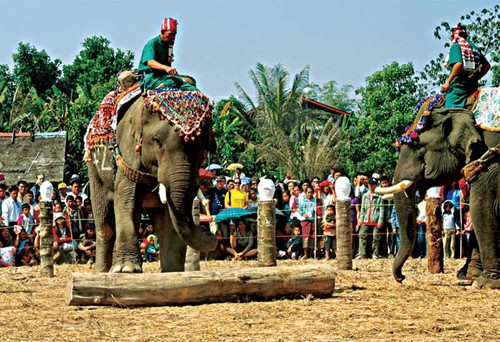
(305, 223)
(307, 227)
(73, 227)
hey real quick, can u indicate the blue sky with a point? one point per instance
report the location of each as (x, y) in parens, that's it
(219, 41)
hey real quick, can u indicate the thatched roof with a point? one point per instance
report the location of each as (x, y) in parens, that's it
(25, 158)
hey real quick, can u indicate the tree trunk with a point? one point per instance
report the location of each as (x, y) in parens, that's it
(343, 224)
(434, 235)
(208, 286)
(46, 240)
(266, 233)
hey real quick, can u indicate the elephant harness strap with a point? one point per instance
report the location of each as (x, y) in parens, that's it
(471, 170)
(132, 174)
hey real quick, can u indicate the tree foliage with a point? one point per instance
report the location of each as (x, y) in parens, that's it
(482, 28)
(385, 109)
(7, 89)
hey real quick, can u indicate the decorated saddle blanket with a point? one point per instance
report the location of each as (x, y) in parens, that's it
(487, 109)
(187, 111)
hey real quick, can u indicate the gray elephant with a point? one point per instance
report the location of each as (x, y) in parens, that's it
(434, 156)
(151, 167)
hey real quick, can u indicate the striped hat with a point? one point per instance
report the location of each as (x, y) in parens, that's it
(169, 24)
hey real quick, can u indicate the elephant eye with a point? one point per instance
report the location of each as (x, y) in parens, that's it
(157, 141)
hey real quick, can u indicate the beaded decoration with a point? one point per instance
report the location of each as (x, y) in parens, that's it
(187, 111)
(413, 131)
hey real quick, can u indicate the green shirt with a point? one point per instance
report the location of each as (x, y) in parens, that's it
(462, 85)
(156, 49)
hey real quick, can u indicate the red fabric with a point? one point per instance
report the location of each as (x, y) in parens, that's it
(169, 24)
(325, 183)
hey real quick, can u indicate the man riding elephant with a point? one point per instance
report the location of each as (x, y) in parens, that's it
(467, 66)
(156, 60)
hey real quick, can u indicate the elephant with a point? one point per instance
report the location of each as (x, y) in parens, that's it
(155, 169)
(449, 141)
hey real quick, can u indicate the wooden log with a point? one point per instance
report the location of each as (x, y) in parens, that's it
(343, 225)
(266, 233)
(46, 240)
(435, 255)
(207, 286)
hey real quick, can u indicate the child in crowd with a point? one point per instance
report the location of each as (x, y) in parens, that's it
(294, 244)
(28, 257)
(26, 220)
(88, 244)
(153, 248)
(450, 229)
(330, 232)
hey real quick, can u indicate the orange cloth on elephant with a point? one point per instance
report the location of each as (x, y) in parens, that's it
(236, 198)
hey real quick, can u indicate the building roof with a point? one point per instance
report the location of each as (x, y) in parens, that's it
(24, 158)
(324, 107)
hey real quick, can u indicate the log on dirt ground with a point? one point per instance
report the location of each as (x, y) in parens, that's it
(208, 286)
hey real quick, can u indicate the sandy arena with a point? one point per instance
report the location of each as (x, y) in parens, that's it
(367, 305)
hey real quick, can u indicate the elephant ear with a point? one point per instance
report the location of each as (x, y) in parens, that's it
(461, 134)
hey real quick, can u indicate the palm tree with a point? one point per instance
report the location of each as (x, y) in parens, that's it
(290, 138)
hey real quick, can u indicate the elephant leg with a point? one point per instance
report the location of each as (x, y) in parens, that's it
(485, 218)
(472, 268)
(126, 256)
(172, 247)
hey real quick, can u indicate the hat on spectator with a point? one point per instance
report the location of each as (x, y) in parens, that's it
(58, 216)
(325, 183)
(169, 24)
(62, 186)
(376, 176)
(220, 178)
(372, 180)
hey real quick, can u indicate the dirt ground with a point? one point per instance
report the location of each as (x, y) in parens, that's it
(367, 305)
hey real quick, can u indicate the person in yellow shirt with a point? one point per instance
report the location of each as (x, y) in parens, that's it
(236, 198)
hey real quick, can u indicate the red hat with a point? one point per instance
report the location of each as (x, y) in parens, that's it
(169, 24)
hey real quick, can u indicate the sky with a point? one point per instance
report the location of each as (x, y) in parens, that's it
(220, 41)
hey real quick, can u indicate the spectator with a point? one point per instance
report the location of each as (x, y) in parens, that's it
(395, 237)
(420, 249)
(75, 189)
(27, 257)
(153, 248)
(286, 207)
(386, 231)
(237, 198)
(242, 243)
(7, 239)
(3, 192)
(61, 192)
(26, 220)
(63, 240)
(88, 245)
(7, 254)
(253, 201)
(11, 208)
(355, 210)
(35, 189)
(326, 196)
(22, 186)
(330, 232)
(31, 201)
(330, 177)
(230, 185)
(22, 242)
(58, 208)
(220, 251)
(361, 185)
(451, 228)
(216, 198)
(75, 218)
(307, 212)
(294, 244)
(371, 221)
(254, 182)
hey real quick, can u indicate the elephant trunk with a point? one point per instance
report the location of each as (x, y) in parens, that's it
(180, 198)
(405, 211)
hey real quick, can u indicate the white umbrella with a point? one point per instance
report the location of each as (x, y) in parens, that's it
(213, 167)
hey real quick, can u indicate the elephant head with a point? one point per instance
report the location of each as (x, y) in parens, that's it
(434, 157)
(155, 146)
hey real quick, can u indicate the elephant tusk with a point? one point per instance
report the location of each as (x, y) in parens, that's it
(401, 186)
(163, 193)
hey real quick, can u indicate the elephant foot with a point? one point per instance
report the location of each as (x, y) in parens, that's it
(487, 281)
(101, 267)
(399, 278)
(127, 267)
